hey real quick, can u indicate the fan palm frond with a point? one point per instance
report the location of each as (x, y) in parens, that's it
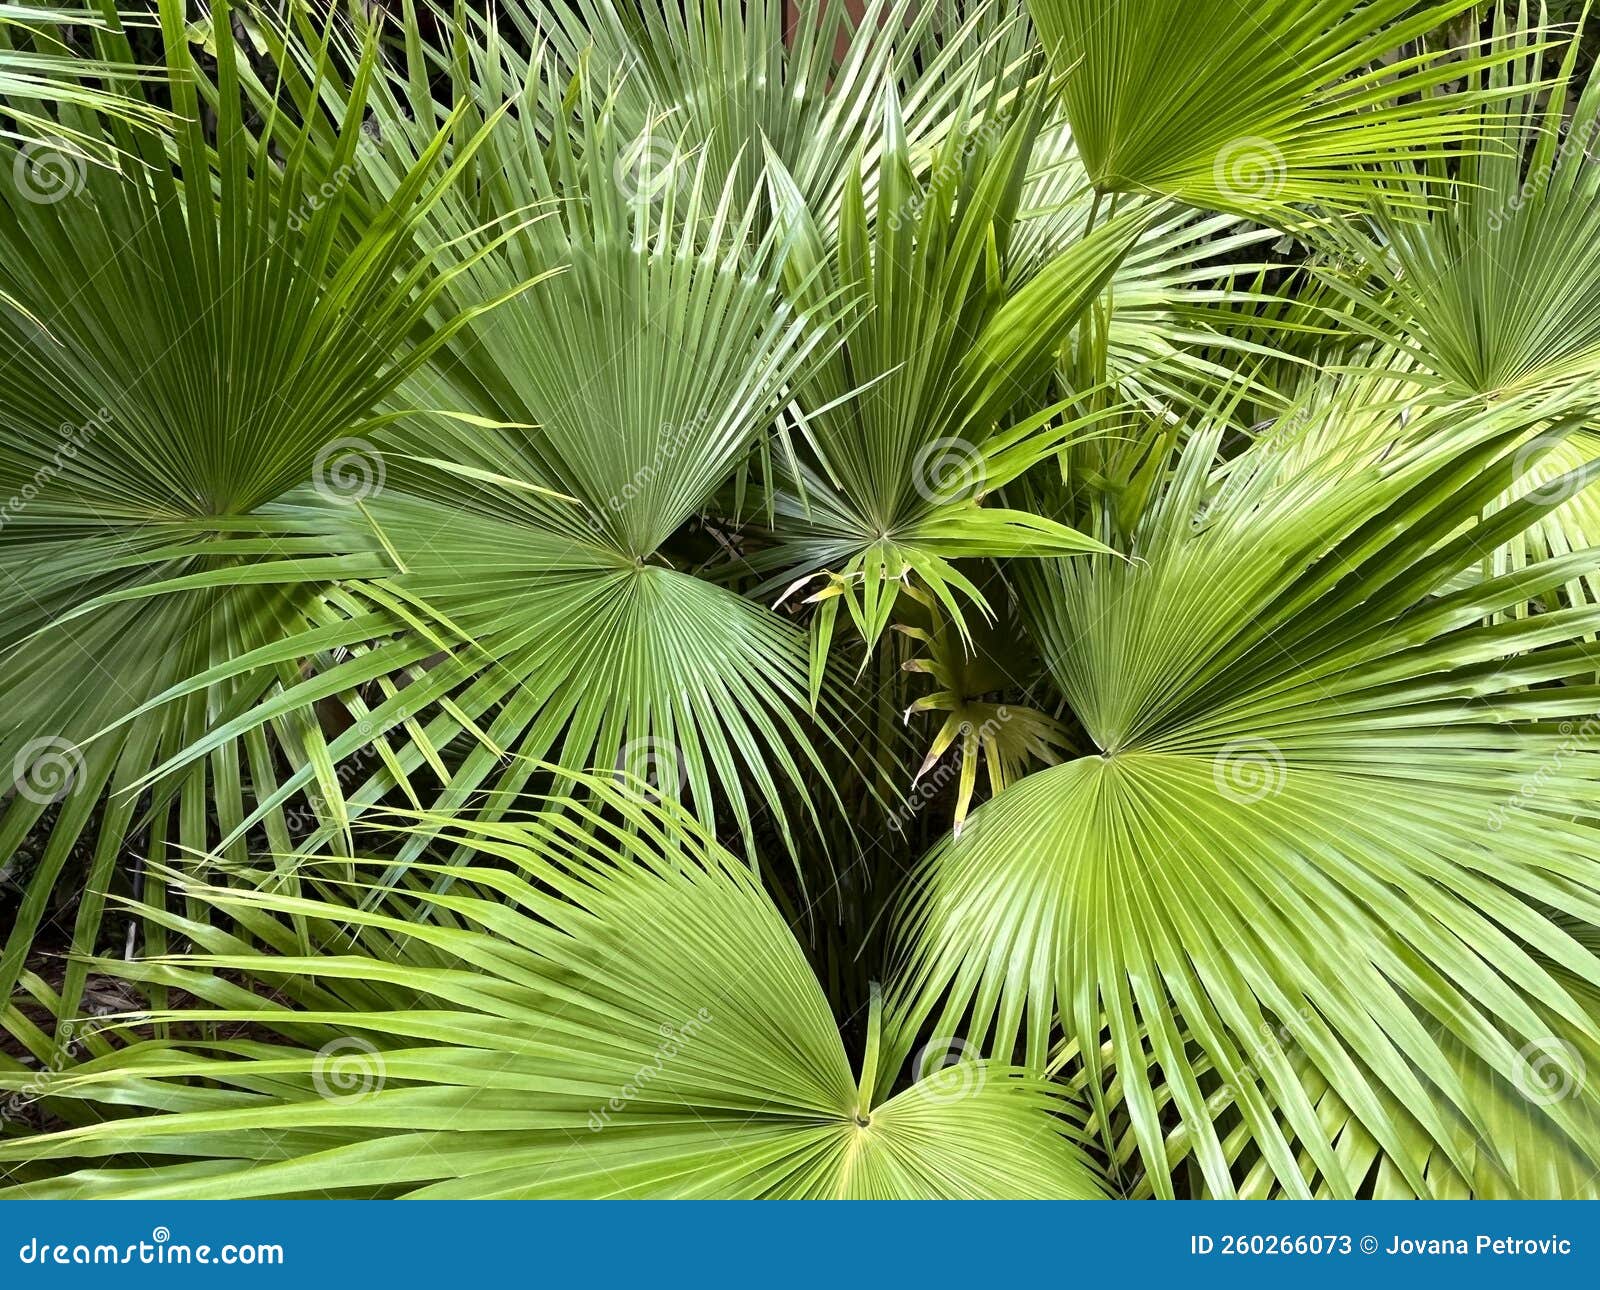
(1256, 110)
(1496, 291)
(604, 1012)
(600, 410)
(888, 483)
(172, 366)
(1327, 798)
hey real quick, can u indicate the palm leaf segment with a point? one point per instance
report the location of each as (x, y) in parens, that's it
(1255, 109)
(1497, 292)
(591, 1009)
(38, 67)
(1330, 804)
(725, 80)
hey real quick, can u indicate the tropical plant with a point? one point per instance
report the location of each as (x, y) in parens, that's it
(494, 1042)
(174, 368)
(678, 599)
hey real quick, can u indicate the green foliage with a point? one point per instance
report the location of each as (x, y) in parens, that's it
(514, 1036)
(639, 599)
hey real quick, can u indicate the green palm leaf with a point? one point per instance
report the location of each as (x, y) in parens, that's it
(1257, 109)
(606, 405)
(727, 79)
(1327, 799)
(38, 68)
(887, 483)
(1495, 291)
(495, 433)
(186, 339)
(517, 1036)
